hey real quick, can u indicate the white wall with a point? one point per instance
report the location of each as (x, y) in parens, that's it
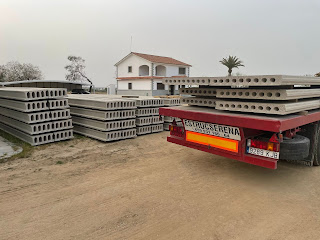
(137, 84)
(135, 62)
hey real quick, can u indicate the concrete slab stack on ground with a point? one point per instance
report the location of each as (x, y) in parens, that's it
(102, 117)
(35, 121)
(148, 119)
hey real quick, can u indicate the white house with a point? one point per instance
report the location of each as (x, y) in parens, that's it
(141, 74)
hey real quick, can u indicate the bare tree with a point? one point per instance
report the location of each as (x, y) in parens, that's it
(15, 71)
(76, 70)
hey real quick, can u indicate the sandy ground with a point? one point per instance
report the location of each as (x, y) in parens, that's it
(146, 188)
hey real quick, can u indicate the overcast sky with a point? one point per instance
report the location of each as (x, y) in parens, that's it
(271, 36)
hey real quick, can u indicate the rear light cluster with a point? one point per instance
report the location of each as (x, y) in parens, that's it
(270, 146)
(176, 131)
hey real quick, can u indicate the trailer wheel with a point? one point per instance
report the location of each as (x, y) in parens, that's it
(296, 148)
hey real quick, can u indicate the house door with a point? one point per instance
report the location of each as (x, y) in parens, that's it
(171, 90)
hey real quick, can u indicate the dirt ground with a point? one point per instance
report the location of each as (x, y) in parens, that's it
(146, 188)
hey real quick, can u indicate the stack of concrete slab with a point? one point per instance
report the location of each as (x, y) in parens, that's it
(268, 94)
(35, 115)
(148, 119)
(102, 117)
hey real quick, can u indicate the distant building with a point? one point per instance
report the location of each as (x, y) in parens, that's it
(141, 74)
(111, 89)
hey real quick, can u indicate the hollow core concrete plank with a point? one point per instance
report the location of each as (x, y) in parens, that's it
(31, 94)
(196, 91)
(198, 101)
(268, 94)
(102, 115)
(252, 80)
(279, 108)
(104, 126)
(37, 117)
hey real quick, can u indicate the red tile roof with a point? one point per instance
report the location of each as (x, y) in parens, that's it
(160, 59)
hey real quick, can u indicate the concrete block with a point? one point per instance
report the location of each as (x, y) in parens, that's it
(253, 80)
(157, 119)
(157, 128)
(105, 136)
(104, 126)
(268, 94)
(102, 115)
(196, 101)
(34, 106)
(142, 121)
(171, 101)
(210, 92)
(100, 103)
(38, 139)
(37, 128)
(36, 117)
(31, 94)
(279, 108)
(141, 130)
(140, 112)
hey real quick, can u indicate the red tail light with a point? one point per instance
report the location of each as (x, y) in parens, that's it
(176, 131)
(271, 146)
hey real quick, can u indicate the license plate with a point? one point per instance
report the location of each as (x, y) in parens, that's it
(263, 153)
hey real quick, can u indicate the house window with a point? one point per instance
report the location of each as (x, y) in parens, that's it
(130, 69)
(160, 86)
(182, 70)
(129, 85)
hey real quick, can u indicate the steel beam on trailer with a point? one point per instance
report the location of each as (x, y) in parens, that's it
(37, 117)
(104, 126)
(102, 115)
(37, 128)
(252, 80)
(105, 136)
(38, 139)
(31, 94)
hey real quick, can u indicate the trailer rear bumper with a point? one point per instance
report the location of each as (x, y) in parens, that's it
(243, 157)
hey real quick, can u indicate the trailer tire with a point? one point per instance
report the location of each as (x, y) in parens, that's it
(296, 148)
(316, 160)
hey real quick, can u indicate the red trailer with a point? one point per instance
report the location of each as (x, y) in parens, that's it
(252, 138)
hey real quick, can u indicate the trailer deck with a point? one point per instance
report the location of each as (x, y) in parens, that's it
(272, 123)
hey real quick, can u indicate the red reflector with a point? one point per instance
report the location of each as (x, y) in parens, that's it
(264, 145)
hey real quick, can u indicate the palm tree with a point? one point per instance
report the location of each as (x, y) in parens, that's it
(231, 62)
